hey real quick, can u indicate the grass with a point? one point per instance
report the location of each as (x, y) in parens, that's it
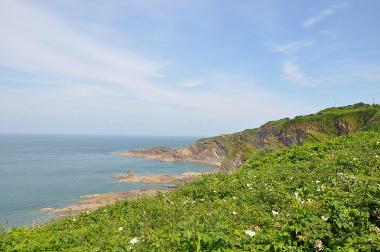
(320, 196)
(318, 127)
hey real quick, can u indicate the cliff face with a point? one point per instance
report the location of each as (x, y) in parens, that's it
(230, 150)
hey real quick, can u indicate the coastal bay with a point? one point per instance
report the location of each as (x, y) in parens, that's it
(54, 172)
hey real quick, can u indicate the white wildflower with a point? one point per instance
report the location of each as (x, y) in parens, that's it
(318, 245)
(375, 229)
(234, 213)
(250, 233)
(317, 181)
(325, 218)
(274, 213)
(354, 158)
(87, 212)
(215, 191)
(277, 225)
(74, 220)
(134, 240)
(234, 198)
(296, 195)
(121, 228)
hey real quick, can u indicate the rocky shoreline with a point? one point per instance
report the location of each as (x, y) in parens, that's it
(130, 177)
(94, 201)
(207, 152)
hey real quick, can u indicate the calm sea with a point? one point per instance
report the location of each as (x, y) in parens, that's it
(39, 171)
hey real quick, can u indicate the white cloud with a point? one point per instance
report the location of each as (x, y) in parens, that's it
(292, 72)
(328, 34)
(192, 83)
(324, 14)
(35, 42)
(292, 47)
(91, 83)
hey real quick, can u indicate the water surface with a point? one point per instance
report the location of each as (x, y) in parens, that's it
(39, 171)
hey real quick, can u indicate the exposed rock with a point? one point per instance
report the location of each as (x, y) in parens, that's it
(160, 178)
(230, 150)
(202, 151)
(94, 201)
(343, 127)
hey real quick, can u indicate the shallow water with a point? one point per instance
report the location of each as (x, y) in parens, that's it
(38, 171)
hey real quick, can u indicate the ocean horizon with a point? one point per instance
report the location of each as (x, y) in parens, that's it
(54, 170)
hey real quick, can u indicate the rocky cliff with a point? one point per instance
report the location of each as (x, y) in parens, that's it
(230, 150)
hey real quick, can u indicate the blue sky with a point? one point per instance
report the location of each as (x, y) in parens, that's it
(181, 67)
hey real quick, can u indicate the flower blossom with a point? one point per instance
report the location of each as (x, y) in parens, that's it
(274, 213)
(250, 233)
(134, 240)
(318, 245)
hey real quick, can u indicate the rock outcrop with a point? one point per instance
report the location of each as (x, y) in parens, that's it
(231, 150)
(158, 178)
(208, 151)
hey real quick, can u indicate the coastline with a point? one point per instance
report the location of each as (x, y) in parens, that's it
(165, 154)
(91, 202)
(94, 201)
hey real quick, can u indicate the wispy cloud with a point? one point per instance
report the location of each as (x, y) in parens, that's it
(35, 42)
(324, 14)
(328, 34)
(192, 83)
(292, 47)
(97, 82)
(369, 72)
(292, 72)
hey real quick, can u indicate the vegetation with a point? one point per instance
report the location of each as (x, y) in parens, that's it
(319, 196)
(318, 127)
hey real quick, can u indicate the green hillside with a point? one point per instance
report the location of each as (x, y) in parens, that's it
(319, 196)
(234, 149)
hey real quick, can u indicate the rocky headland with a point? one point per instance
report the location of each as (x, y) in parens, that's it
(228, 151)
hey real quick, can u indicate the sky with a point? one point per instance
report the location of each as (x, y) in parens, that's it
(181, 67)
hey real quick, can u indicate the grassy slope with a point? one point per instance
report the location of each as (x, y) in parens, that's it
(319, 127)
(339, 180)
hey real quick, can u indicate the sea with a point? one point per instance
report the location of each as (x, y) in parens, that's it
(38, 171)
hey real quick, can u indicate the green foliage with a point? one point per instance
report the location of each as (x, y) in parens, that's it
(318, 127)
(317, 196)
